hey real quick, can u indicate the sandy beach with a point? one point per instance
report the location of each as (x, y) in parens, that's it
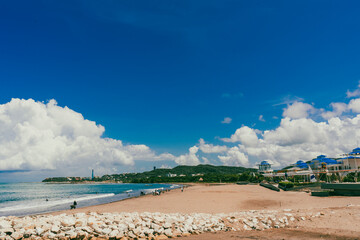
(339, 217)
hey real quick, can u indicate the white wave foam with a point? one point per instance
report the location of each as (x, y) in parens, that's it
(50, 203)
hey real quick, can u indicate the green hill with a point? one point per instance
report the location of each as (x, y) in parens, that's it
(208, 173)
(203, 169)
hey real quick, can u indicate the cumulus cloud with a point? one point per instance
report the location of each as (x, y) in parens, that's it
(226, 120)
(42, 136)
(210, 148)
(205, 160)
(304, 139)
(298, 110)
(304, 132)
(189, 158)
(355, 93)
(354, 105)
(338, 109)
(287, 100)
(234, 157)
(247, 136)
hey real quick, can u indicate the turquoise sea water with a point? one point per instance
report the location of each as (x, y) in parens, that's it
(19, 199)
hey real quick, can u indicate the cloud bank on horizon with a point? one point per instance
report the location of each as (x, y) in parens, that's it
(304, 132)
(44, 136)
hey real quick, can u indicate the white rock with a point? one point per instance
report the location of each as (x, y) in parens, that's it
(106, 231)
(4, 224)
(55, 229)
(167, 225)
(114, 233)
(168, 232)
(131, 234)
(39, 231)
(131, 226)
(80, 215)
(67, 222)
(16, 235)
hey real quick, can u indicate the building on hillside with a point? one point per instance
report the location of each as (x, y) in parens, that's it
(322, 162)
(197, 174)
(265, 168)
(301, 164)
(171, 175)
(351, 161)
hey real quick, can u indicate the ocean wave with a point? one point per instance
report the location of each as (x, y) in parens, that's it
(47, 204)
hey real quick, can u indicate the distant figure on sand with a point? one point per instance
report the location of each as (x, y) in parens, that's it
(74, 205)
(182, 189)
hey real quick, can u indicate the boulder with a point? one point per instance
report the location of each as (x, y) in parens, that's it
(16, 235)
(5, 224)
(55, 229)
(168, 232)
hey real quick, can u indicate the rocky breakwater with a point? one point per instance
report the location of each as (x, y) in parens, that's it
(141, 225)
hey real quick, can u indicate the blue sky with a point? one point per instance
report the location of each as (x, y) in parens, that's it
(167, 73)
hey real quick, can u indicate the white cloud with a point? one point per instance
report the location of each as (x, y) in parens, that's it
(261, 118)
(205, 160)
(355, 93)
(39, 136)
(298, 110)
(287, 100)
(226, 120)
(189, 158)
(210, 148)
(247, 136)
(354, 105)
(303, 139)
(301, 135)
(234, 157)
(338, 109)
(165, 166)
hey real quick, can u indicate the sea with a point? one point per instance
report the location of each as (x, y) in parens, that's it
(19, 199)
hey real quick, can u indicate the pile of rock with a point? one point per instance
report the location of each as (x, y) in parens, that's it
(141, 225)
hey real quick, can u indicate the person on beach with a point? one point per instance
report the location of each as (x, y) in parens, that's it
(182, 189)
(73, 206)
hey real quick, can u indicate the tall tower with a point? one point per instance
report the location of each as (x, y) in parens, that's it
(92, 174)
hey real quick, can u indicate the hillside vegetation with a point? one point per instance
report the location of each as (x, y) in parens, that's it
(202, 173)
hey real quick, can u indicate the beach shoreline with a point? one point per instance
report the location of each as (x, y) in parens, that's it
(232, 206)
(40, 198)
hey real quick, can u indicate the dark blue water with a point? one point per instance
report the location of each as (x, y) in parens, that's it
(19, 199)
